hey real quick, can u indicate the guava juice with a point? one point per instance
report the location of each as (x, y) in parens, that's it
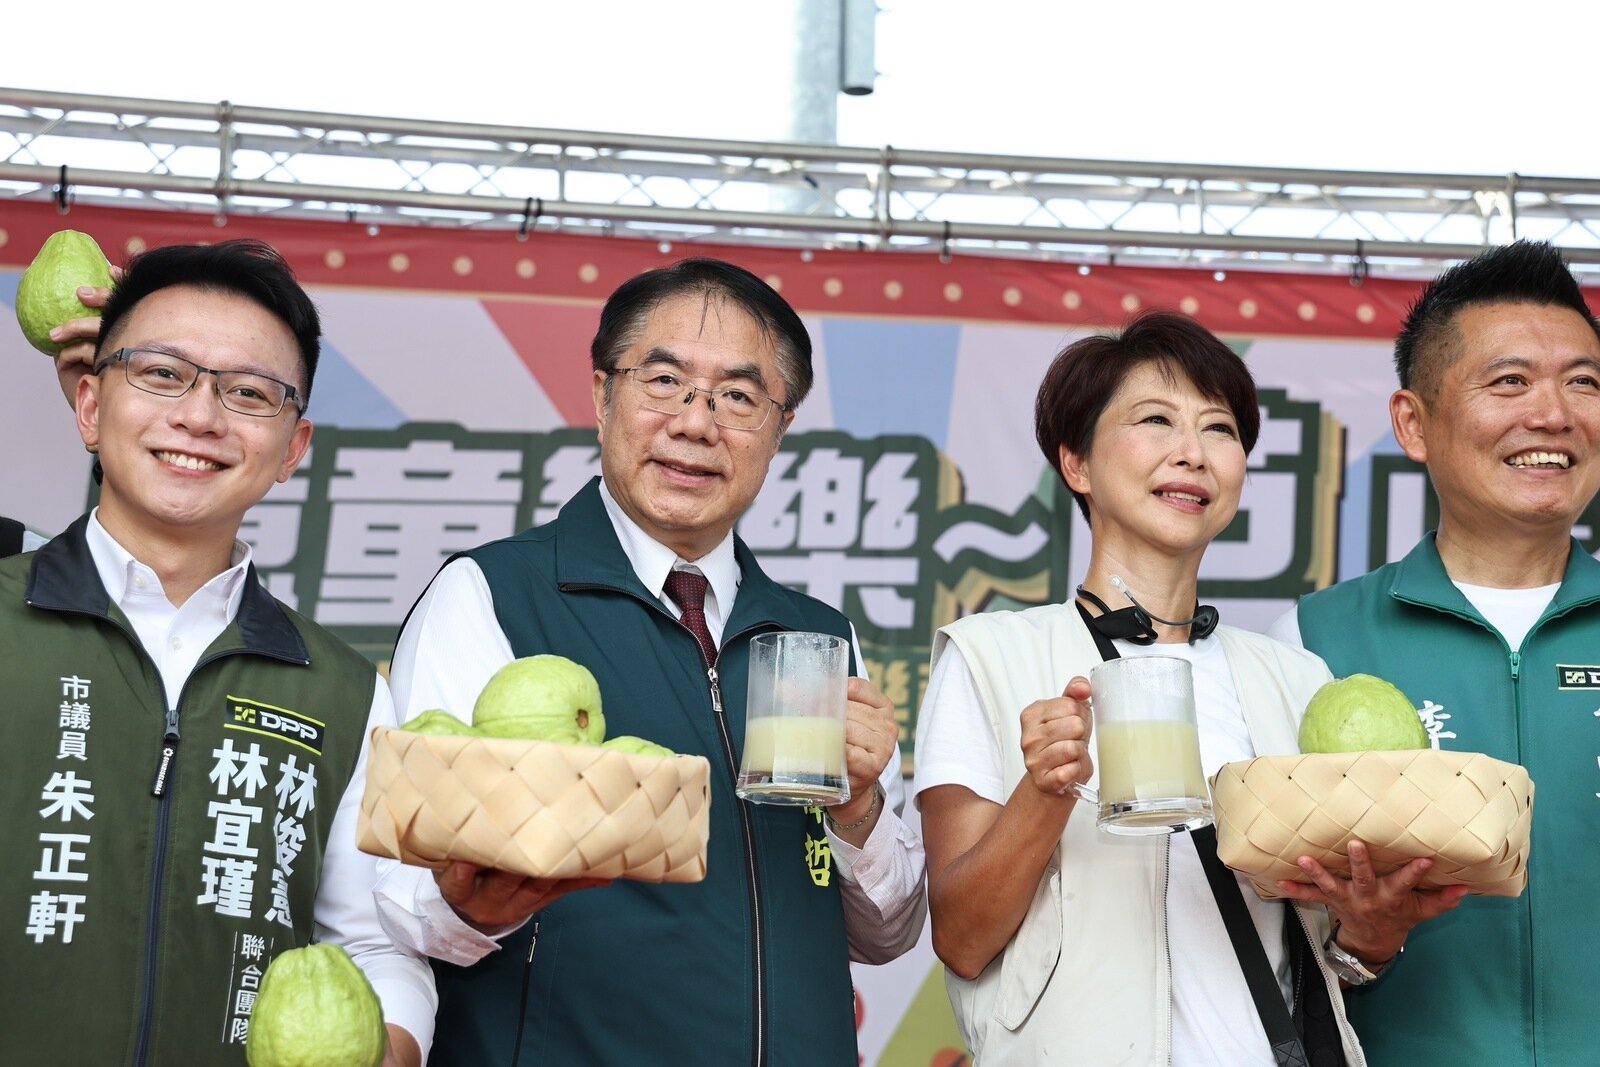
(1148, 759)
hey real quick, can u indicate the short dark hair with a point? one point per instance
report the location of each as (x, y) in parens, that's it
(1523, 272)
(1087, 374)
(247, 268)
(626, 310)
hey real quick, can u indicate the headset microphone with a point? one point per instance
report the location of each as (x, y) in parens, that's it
(1134, 623)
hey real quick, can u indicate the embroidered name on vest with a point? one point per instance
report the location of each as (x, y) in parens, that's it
(1571, 676)
(254, 717)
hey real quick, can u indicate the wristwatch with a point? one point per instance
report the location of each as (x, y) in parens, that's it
(1348, 967)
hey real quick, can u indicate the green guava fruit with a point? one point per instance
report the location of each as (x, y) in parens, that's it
(439, 723)
(638, 746)
(47, 295)
(315, 1009)
(1361, 713)
(542, 698)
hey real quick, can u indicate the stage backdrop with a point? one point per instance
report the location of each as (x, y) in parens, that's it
(453, 406)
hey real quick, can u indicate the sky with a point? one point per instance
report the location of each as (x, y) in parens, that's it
(1400, 85)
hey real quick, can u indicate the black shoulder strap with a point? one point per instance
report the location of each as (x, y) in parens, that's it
(11, 532)
(1275, 1017)
(1102, 643)
(1258, 976)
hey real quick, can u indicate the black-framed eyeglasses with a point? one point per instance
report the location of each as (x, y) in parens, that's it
(165, 374)
(733, 407)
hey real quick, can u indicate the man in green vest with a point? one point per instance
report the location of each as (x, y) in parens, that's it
(697, 371)
(1491, 624)
(183, 762)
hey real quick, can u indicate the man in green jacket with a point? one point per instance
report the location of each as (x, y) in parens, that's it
(183, 762)
(1492, 625)
(697, 371)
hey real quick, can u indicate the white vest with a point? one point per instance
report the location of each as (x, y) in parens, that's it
(1102, 996)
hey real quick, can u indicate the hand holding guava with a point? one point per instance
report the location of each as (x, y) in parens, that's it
(534, 698)
(1374, 913)
(490, 899)
(59, 299)
(79, 336)
(1364, 713)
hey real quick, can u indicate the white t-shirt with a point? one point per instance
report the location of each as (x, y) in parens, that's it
(1214, 1019)
(1512, 612)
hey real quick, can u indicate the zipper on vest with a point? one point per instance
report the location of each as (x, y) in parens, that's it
(752, 884)
(163, 795)
(1297, 974)
(1166, 937)
(169, 750)
(162, 790)
(1525, 961)
(527, 981)
(760, 1015)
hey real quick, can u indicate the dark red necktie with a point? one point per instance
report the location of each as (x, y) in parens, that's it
(688, 590)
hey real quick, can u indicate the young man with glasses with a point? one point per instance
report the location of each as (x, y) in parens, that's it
(698, 369)
(184, 756)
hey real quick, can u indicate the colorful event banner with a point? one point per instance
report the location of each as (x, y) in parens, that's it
(453, 406)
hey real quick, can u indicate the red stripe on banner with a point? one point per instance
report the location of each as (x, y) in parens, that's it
(584, 269)
(552, 340)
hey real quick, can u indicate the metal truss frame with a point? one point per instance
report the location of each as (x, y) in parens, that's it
(224, 159)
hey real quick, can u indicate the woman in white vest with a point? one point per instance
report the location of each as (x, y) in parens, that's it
(1064, 944)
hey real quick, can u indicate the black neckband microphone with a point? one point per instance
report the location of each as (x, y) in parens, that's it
(1134, 623)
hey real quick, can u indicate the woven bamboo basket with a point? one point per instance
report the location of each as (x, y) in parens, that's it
(537, 808)
(1470, 813)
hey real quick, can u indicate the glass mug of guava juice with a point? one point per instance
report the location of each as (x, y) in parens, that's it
(1147, 747)
(794, 720)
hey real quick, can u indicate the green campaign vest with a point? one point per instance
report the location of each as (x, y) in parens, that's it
(753, 958)
(1497, 981)
(134, 927)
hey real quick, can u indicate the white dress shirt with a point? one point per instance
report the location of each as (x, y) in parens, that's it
(345, 913)
(452, 644)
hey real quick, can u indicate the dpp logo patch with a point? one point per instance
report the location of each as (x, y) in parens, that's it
(1577, 677)
(254, 717)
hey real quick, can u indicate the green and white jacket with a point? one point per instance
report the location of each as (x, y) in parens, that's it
(1496, 981)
